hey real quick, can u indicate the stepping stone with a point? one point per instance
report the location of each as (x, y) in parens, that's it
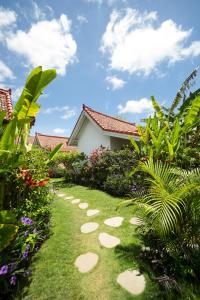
(75, 201)
(69, 198)
(86, 262)
(83, 205)
(132, 281)
(92, 212)
(108, 241)
(89, 227)
(135, 221)
(60, 195)
(114, 222)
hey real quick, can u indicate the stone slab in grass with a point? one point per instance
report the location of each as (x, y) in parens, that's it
(132, 281)
(135, 221)
(83, 205)
(60, 195)
(114, 222)
(69, 198)
(107, 240)
(89, 227)
(92, 212)
(75, 201)
(86, 262)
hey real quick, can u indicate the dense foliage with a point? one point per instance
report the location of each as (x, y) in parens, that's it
(173, 135)
(24, 199)
(170, 205)
(103, 169)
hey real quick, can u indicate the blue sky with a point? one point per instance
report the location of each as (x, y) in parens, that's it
(111, 55)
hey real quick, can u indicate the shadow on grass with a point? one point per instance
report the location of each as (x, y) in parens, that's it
(130, 253)
(61, 184)
(170, 286)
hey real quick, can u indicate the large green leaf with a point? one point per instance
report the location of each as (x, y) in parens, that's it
(28, 110)
(8, 228)
(2, 116)
(7, 217)
(181, 93)
(175, 136)
(30, 88)
(46, 77)
(170, 149)
(54, 151)
(35, 84)
(157, 108)
(135, 145)
(7, 234)
(192, 115)
(9, 135)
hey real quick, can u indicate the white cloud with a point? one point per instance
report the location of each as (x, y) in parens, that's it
(115, 82)
(192, 50)
(5, 72)
(47, 43)
(38, 13)
(59, 130)
(82, 19)
(67, 113)
(7, 17)
(140, 106)
(136, 43)
(108, 2)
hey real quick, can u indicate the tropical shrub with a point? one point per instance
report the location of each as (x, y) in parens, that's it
(169, 204)
(103, 169)
(171, 213)
(68, 165)
(174, 130)
(118, 185)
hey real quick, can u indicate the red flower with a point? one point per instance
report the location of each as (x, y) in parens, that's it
(42, 182)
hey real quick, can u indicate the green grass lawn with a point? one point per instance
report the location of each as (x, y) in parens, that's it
(54, 274)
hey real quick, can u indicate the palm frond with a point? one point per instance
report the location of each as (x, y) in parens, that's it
(184, 87)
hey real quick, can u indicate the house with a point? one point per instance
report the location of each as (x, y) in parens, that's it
(49, 142)
(94, 129)
(6, 103)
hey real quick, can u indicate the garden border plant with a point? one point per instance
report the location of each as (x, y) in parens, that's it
(24, 199)
(170, 205)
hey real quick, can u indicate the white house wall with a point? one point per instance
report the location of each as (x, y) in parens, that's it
(91, 137)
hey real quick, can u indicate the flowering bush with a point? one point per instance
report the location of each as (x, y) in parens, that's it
(105, 169)
(72, 166)
(30, 202)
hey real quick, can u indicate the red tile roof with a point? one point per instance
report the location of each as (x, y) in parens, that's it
(111, 124)
(6, 103)
(49, 142)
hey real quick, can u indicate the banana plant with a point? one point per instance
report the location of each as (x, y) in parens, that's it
(181, 94)
(13, 142)
(25, 110)
(163, 134)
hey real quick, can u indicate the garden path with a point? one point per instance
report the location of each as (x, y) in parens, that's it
(100, 264)
(132, 281)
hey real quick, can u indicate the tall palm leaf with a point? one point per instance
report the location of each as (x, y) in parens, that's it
(181, 93)
(166, 200)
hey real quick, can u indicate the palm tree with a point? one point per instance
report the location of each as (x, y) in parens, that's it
(172, 197)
